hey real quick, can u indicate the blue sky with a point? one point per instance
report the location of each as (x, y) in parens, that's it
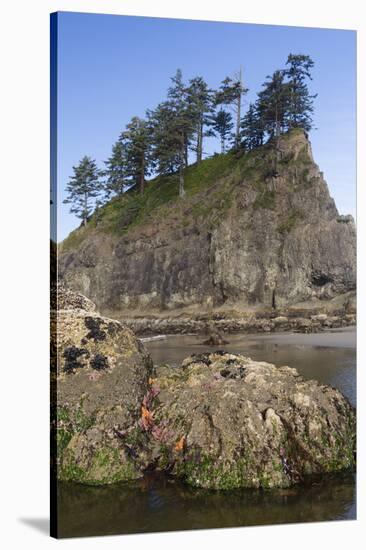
(112, 67)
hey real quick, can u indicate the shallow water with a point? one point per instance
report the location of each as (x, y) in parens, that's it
(158, 503)
(329, 357)
(162, 504)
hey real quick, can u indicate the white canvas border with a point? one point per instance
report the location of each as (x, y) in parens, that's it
(24, 276)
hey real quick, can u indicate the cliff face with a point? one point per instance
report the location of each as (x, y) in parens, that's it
(255, 230)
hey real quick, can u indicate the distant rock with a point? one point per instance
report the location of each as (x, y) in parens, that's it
(304, 325)
(280, 321)
(215, 337)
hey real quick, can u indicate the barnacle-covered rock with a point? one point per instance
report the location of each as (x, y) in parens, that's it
(101, 372)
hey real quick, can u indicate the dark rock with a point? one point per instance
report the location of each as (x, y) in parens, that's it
(99, 362)
(75, 358)
(94, 325)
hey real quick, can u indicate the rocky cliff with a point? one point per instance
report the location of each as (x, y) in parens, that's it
(255, 230)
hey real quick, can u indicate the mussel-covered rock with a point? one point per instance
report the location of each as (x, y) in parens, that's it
(101, 374)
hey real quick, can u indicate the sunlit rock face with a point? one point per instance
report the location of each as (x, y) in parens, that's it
(262, 232)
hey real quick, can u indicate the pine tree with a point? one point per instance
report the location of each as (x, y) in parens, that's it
(252, 133)
(230, 93)
(115, 171)
(301, 103)
(273, 104)
(200, 101)
(182, 125)
(137, 151)
(172, 130)
(82, 188)
(164, 157)
(222, 125)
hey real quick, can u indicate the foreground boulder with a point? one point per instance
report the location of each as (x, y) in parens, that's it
(223, 421)
(102, 373)
(220, 421)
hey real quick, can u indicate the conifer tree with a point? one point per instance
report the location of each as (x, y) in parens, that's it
(300, 102)
(230, 93)
(83, 186)
(200, 101)
(222, 125)
(182, 125)
(273, 104)
(137, 151)
(163, 147)
(252, 133)
(115, 171)
(172, 128)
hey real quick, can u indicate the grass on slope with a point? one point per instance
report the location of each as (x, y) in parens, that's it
(219, 172)
(132, 208)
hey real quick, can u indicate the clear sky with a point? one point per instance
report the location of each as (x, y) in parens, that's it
(112, 67)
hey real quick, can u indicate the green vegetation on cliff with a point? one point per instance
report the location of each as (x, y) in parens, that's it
(162, 143)
(210, 187)
(253, 225)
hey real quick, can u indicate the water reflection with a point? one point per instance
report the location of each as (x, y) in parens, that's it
(163, 504)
